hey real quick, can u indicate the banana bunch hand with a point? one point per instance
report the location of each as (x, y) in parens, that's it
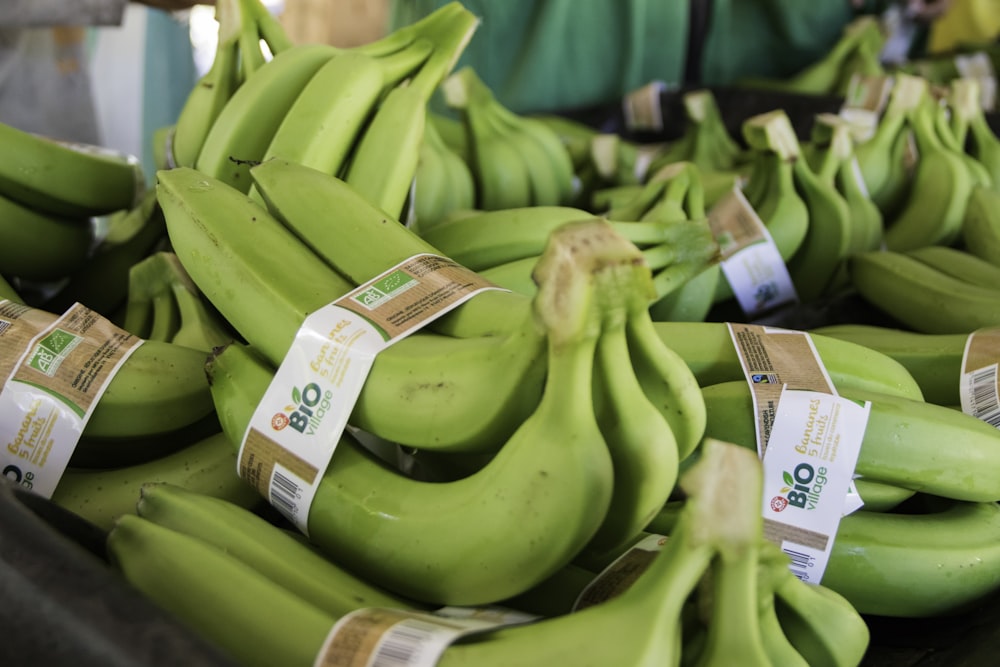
(930, 289)
(516, 161)
(970, 130)
(831, 154)
(705, 140)
(51, 196)
(164, 304)
(665, 218)
(612, 456)
(340, 110)
(855, 53)
(263, 597)
(442, 182)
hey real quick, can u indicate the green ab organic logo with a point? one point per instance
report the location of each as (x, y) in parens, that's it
(52, 350)
(391, 285)
(802, 488)
(305, 414)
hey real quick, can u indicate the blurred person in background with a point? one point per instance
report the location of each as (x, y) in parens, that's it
(551, 55)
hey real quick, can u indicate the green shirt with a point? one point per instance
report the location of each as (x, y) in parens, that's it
(548, 55)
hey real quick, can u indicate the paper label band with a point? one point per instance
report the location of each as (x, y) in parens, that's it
(59, 372)
(751, 261)
(302, 416)
(979, 385)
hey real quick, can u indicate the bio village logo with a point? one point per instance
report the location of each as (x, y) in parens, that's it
(802, 489)
(305, 413)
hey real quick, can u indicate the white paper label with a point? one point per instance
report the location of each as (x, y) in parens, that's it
(751, 261)
(377, 637)
(51, 392)
(979, 386)
(808, 467)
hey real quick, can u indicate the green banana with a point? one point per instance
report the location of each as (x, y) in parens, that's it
(780, 649)
(115, 451)
(207, 466)
(253, 620)
(645, 618)
(41, 247)
(247, 123)
(901, 444)
(959, 264)
(383, 163)
(247, 280)
(934, 360)
(916, 564)
(816, 262)
(981, 225)
(273, 552)
(213, 89)
(708, 350)
(935, 204)
(820, 623)
(66, 180)
(560, 441)
(921, 297)
(321, 126)
(431, 198)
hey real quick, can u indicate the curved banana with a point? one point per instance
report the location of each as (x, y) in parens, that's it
(913, 565)
(981, 224)
(815, 264)
(940, 188)
(247, 123)
(66, 180)
(960, 264)
(268, 549)
(934, 360)
(644, 450)
(212, 91)
(921, 297)
(821, 623)
(901, 444)
(206, 466)
(253, 620)
(41, 247)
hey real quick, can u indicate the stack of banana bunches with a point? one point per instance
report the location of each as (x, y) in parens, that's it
(566, 465)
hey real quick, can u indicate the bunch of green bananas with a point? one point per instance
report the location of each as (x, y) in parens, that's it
(365, 246)
(51, 196)
(855, 53)
(715, 592)
(516, 161)
(443, 184)
(705, 140)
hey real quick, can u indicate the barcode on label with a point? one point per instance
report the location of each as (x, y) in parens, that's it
(4, 325)
(284, 494)
(800, 563)
(985, 403)
(404, 643)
